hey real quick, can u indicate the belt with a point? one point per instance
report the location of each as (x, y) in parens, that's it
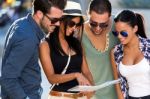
(65, 94)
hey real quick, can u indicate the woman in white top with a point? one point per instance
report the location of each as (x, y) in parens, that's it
(131, 58)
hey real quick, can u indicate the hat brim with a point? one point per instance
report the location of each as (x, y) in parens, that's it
(76, 14)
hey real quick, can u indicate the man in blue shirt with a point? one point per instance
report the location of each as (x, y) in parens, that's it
(21, 76)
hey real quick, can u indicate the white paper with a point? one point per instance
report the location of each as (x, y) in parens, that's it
(94, 88)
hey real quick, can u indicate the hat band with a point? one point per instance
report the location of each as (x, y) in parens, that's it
(72, 11)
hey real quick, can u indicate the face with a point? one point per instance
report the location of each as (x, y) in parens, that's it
(73, 26)
(124, 32)
(51, 20)
(98, 22)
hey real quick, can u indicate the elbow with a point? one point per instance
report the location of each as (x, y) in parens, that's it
(51, 82)
(52, 79)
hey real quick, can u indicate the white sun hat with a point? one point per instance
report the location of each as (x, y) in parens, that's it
(73, 8)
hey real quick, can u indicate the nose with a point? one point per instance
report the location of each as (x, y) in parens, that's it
(57, 23)
(98, 28)
(119, 35)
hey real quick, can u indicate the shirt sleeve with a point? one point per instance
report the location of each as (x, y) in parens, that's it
(20, 53)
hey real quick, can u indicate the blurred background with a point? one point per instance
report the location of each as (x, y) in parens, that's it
(10, 10)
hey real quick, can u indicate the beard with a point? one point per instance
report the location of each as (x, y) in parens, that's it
(43, 27)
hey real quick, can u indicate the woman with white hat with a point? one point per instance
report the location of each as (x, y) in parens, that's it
(61, 50)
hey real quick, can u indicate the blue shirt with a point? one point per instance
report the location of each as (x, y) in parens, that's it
(21, 74)
(144, 46)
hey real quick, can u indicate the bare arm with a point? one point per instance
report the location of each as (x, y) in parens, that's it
(114, 67)
(87, 74)
(85, 70)
(48, 67)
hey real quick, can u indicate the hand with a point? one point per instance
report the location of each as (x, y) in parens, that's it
(81, 79)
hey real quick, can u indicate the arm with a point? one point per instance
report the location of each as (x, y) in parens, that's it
(20, 53)
(48, 67)
(114, 67)
(87, 74)
(85, 70)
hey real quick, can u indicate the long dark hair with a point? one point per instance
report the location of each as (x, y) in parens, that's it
(132, 19)
(72, 41)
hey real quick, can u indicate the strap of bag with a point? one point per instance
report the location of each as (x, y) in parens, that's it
(64, 70)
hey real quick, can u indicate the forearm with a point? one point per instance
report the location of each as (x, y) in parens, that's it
(12, 88)
(89, 77)
(58, 78)
(119, 93)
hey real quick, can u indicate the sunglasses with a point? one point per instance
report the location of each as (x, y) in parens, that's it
(53, 20)
(96, 24)
(122, 33)
(72, 24)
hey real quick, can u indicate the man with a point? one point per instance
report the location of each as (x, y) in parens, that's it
(21, 76)
(98, 41)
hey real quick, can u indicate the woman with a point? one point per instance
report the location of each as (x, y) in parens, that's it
(54, 53)
(131, 58)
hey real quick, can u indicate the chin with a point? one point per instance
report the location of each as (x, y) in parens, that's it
(123, 43)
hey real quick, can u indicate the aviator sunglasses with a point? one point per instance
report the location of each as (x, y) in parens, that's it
(72, 24)
(53, 20)
(96, 24)
(122, 33)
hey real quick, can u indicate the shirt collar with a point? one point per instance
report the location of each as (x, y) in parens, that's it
(39, 32)
(141, 43)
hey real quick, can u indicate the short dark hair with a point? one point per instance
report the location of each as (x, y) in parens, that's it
(59, 3)
(100, 6)
(42, 5)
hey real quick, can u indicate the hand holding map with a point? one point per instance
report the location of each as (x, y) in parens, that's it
(94, 88)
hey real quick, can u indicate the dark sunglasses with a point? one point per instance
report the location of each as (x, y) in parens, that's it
(72, 24)
(122, 33)
(53, 20)
(101, 25)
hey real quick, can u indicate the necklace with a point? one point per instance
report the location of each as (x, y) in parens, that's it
(106, 46)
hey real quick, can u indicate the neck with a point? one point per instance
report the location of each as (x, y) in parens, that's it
(134, 43)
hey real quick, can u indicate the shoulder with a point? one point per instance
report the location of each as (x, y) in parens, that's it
(21, 28)
(43, 44)
(145, 46)
(145, 42)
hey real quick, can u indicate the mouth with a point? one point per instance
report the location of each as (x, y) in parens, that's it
(96, 32)
(51, 29)
(121, 40)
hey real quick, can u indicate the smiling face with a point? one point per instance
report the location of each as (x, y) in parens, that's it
(121, 27)
(73, 26)
(51, 20)
(99, 22)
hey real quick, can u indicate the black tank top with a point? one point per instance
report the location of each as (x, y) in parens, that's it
(59, 62)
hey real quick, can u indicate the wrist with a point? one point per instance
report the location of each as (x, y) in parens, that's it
(76, 75)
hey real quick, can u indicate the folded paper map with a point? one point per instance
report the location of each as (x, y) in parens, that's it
(94, 88)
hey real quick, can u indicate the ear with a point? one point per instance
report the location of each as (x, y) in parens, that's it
(40, 14)
(135, 29)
